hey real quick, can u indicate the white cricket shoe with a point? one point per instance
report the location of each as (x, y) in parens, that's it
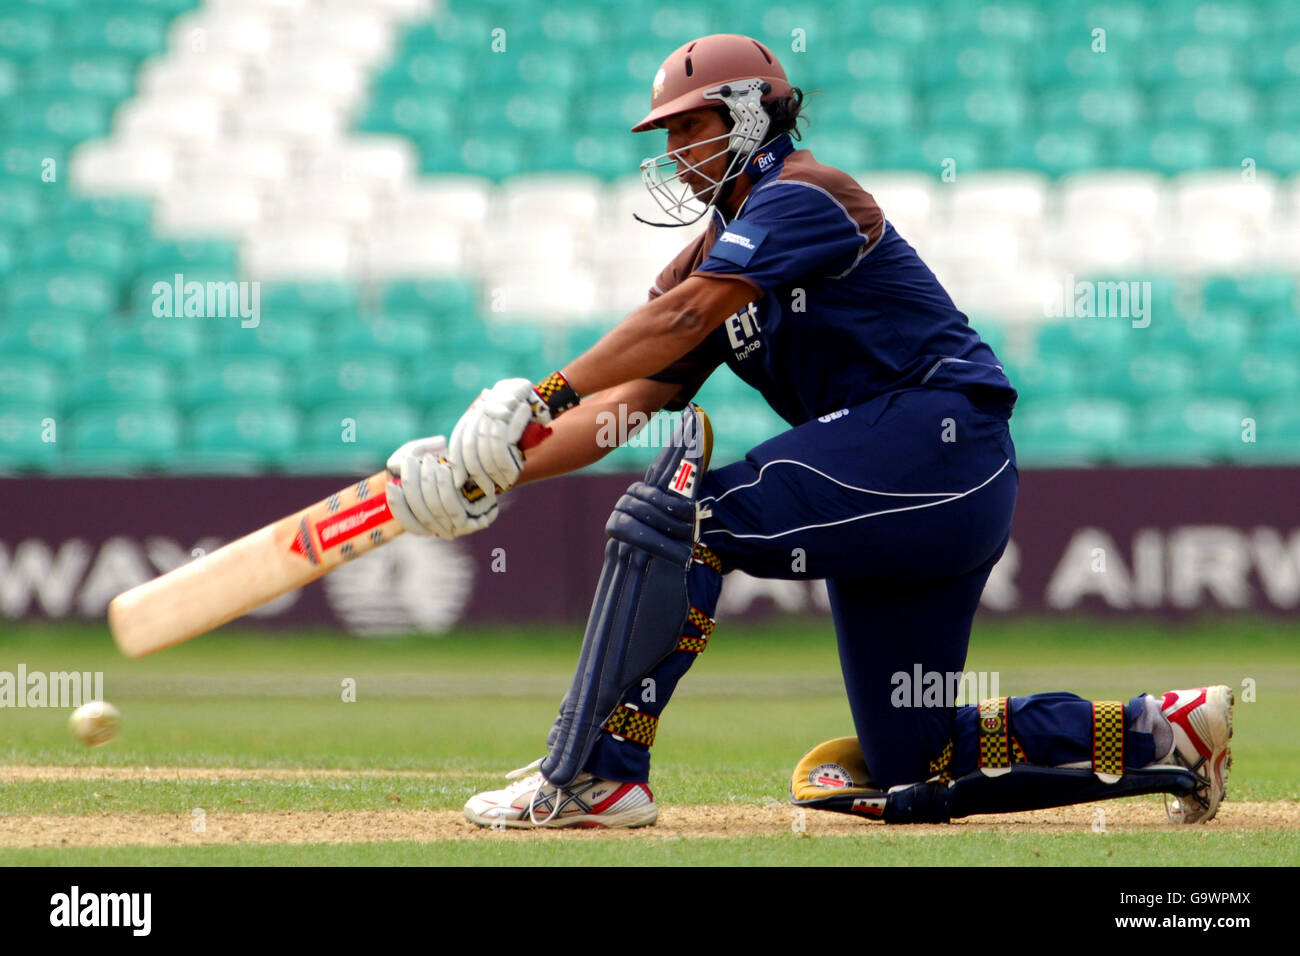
(1201, 719)
(587, 802)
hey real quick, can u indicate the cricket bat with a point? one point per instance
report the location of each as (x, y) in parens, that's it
(245, 574)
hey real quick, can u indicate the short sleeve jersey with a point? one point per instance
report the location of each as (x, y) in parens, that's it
(844, 309)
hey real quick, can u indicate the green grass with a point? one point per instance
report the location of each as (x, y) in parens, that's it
(878, 847)
(479, 703)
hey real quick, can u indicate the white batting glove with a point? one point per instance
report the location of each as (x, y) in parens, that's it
(484, 444)
(430, 500)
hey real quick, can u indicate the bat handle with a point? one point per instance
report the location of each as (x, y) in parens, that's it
(533, 436)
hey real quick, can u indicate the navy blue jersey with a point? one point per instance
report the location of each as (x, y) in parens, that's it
(844, 309)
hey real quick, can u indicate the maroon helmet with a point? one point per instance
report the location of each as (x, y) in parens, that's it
(723, 70)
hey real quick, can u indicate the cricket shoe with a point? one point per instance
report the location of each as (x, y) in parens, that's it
(587, 802)
(1201, 719)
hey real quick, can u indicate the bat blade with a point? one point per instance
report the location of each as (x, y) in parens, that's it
(259, 567)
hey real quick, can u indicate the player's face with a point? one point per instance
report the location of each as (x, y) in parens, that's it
(688, 129)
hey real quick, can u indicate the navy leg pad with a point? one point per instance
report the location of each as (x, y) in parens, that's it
(641, 600)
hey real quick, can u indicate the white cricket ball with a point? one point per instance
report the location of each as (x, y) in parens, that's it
(95, 723)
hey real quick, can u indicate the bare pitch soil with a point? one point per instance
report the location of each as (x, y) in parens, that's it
(171, 829)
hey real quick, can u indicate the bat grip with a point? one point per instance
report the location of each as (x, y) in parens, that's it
(533, 436)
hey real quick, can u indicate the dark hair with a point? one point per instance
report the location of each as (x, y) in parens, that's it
(786, 111)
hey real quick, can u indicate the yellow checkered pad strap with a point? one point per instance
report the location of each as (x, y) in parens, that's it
(940, 764)
(1108, 737)
(632, 725)
(695, 645)
(706, 556)
(995, 734)
(701, 621)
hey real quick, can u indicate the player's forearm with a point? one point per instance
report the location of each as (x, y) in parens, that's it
(572, 444)
(657, 334)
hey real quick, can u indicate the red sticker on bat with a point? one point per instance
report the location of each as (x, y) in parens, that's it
(350, 522)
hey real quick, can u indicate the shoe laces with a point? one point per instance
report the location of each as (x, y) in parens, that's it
(530, 777)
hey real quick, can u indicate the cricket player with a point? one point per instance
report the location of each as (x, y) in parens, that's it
(895, 482)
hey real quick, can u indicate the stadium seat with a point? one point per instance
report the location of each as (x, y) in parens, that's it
(1179, 431)
(173, 339)
(29, 435)
(251, 379)
(326, 298)
(375, 428)
(27, 380)
(392, 336)
(235, 432)
(336, 377)
(1277, 433)
(122, 439)
(1254, 376)
(62, 341)
(120, 379)
(1066, 431)
(1145, 376)
(281, 334)
(100, 246)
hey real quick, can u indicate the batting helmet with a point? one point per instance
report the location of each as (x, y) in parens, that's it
(722, 70)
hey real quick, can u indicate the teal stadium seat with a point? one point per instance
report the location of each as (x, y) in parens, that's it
(1145, 376)
(1068, 432)
(122, 439)
(1277, 433)
(56, 337)
(1254, 376)
(250, 379)
(1178, 431)
(375, 429)
(117, 380)
(1224, 335)
(1094, 339)
(232, 436)
(133, 33)
(99, 75)
(102, 246)
(393, 336)
(27, 380)
(283, 334)
(1268, 296)
(26, 33)
(172, 339)
(1047, 375)
(338, 377)
(20, 203)
(452, 300)
(70, 117)
(24, 430)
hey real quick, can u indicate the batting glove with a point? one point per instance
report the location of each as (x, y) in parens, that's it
(484, 444)
(428, 498)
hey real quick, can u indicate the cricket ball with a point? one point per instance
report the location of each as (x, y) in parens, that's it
(95, 723)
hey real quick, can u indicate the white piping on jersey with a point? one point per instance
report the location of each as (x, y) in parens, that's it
(949, 497)
(935, 367)
(867, 242)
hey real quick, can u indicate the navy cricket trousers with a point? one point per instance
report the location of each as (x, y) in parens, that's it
(903, 504)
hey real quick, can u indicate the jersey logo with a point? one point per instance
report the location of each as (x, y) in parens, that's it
(684, 480)
(743, 332)
(739, 243)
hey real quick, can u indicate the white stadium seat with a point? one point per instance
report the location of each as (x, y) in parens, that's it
(1015, 197)
(375, 160)
(297, 116)
(334, 77)
(390, 254)
(453, 200)
(217, 211)
(907, 199)
(339, 203)
(297, 253)
(214, 75)
(563, 295)
(1137, 198)
(135, 167)
(245, 33)
(570, 198)
(258, 160)
(179, 117)
(1223, 194)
